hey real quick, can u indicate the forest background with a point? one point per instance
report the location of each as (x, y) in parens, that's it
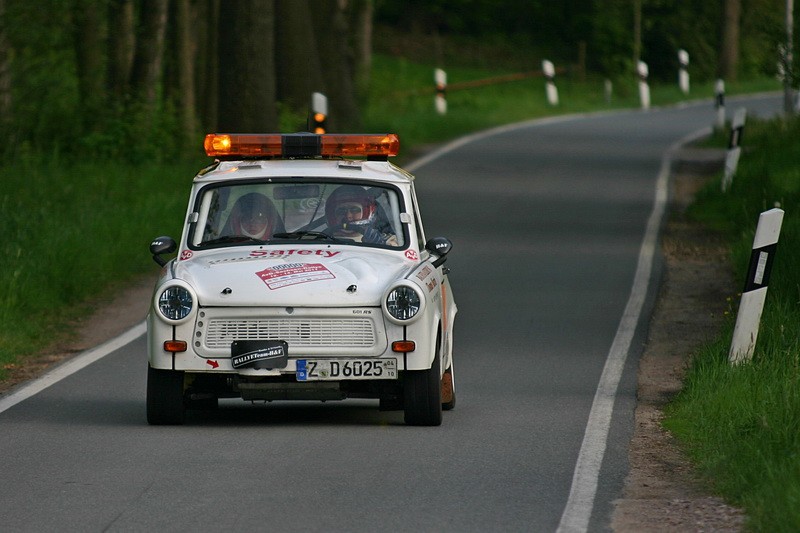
(109, 77)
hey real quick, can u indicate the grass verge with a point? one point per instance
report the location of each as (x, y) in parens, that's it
(73, 232)
(741, 425)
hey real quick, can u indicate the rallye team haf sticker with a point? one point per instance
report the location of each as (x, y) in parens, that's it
(279, 276)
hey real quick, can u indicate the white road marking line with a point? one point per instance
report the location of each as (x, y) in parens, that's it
(71, 366)
(578, 510)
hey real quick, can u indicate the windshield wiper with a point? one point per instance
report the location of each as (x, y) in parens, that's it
(233, 239)
(307, 235)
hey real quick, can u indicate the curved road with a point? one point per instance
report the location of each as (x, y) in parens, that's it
(554, 275)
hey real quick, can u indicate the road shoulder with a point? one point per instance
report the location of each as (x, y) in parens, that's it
(662, 492)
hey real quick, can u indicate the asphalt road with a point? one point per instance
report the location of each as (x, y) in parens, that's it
(548, 221)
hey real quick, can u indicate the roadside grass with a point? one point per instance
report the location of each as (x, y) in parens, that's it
(402, 99)
(741, 425)
(73, 233)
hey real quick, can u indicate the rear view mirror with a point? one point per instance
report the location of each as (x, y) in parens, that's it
(160, 246)
(296, 192)
(440, 246)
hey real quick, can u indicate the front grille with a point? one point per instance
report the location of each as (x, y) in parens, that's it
(298, 332)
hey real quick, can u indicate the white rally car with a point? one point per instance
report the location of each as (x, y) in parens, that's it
(303, 273)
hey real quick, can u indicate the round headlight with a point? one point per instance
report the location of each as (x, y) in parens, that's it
(175, 303)
(403, 302)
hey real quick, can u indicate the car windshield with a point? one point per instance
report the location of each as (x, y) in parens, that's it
(250, 213)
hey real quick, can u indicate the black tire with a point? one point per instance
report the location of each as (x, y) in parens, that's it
(165, 403)
(448, 389)
(422, 394)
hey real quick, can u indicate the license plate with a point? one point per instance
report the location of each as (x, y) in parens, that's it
(339, 369)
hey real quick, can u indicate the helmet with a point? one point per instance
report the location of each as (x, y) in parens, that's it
(349, 194)
(254, 215)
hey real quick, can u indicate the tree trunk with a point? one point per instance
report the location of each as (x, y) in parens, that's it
(121, 47)
(298, 70)
(147, 64)
(637, 32)
(330, 22)
(90, 47)
(5, 71)
(247, 67)
(207, 63)
(184, 22)
(729, 51)
(362, 44)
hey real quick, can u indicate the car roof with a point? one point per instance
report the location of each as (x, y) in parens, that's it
(380, 171)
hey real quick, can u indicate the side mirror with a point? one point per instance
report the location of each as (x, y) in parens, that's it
(160, 246)
(440, 246)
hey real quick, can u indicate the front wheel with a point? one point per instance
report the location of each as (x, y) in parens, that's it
(422, 394)
(165, 403)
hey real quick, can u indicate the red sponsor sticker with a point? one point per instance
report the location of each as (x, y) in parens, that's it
(186, 254)
(412, 254)
(424, 273)
(280, 276)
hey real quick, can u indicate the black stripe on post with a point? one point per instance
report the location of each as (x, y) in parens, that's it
(736, 137)
(761, 260)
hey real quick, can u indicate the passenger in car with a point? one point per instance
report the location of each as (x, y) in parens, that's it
(352, 213)
(253, 215)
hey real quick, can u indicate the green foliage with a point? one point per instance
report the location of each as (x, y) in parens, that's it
(45, 87)
(556, 30)
(73, 233)
(742, 424)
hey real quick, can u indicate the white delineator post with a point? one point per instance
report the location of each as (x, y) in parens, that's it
(748, 317)
(440, 78)
(549, 72)
(719, 102)
(734, 150)
(683, 73)
(644, 89)
(319, 112)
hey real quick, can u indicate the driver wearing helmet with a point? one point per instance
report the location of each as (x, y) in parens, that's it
(351, 213)
(254, 215)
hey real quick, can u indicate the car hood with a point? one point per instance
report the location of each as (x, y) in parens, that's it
(303, 277)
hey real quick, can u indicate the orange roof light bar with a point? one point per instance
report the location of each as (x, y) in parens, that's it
(231, 145)
(360, 145)
(244, 145)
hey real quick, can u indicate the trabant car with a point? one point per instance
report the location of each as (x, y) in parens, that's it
(302, 273)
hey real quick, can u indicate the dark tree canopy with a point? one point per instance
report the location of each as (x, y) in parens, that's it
(109, 73)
